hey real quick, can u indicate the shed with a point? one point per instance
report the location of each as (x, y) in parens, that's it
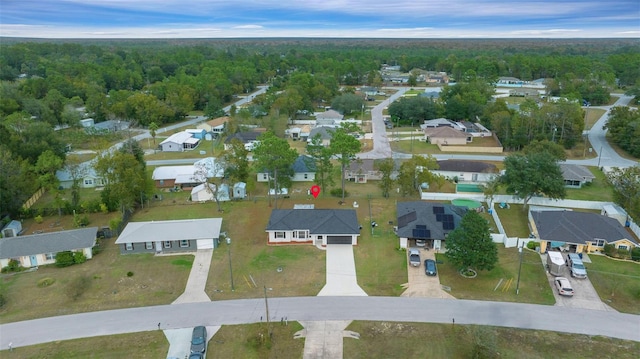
(223, 194)
(201, 193)
(12, 229)
(239, 190)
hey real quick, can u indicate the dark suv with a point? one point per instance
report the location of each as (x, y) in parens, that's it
(430, 267)
(199, 340)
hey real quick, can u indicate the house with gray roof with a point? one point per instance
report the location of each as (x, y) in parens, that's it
(361, 171)
(84, 172)
(186, 235)
(39, 249)
(313, 226)
(467, 171)
(575, 176)
(578, 232)
(430, 222)
(329, 117)
(304, 170)
(325, 133)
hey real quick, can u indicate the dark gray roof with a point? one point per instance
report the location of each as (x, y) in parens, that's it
(304, 164)
(244, 137)
(53, 242)
(467, 166)
(317, 221)
(418, 213)
(578, 227)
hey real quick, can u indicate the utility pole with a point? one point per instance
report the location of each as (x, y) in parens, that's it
(233, 289)
(599, 156)
(266, 304)
(370, 218)
(519, 269)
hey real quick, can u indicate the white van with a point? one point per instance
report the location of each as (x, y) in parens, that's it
(576, 267)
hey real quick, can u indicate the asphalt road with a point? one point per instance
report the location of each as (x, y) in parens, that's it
(243, 311)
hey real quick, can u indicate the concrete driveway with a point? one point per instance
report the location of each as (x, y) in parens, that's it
(422, 285)
(341, 272)
(585, 295)
(180, 340)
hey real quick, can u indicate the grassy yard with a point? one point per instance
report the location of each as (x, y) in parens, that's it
(500, 283)
(101, 283)
(617, 282)
(598, 190)
(514, 220)
(420, 340)
(592, 115)
(250, 341)
(140, 345)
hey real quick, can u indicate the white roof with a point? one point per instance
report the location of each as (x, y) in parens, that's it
(192, 140)
(175, 172)
(201, 187)
(179, 138)
(188, 229)
(171, 172)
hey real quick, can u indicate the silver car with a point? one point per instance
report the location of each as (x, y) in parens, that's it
(563, 286)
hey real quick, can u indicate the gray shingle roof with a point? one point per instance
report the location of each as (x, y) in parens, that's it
(317, 221)
(422, 213)
(326, 133)
(578, 227)
(304, 164)
(53, 242)
(467, 166)
(576, 172)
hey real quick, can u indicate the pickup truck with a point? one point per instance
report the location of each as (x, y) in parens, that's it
(414, 257)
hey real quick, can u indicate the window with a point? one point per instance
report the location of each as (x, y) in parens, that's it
(148, 245)
(300, 234)
(279, 235)
(319, 237)
(306, 176)
(50, 256)
(184, 243)
(264, 176)
(623, 247)
(599, 243)
(88, 182)
(128, 246)
(161, 182)
(167, 244)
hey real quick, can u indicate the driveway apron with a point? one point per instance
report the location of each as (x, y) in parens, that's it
(194, 292)
(341, 272)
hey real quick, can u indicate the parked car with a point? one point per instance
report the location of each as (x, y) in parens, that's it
(430, 267)
(414, 257)
(563, 286)
(196, 356)
(199, 340)
(576, 267)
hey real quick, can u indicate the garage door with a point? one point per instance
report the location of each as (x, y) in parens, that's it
(338, 239)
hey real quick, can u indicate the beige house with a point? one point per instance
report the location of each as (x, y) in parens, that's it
(362, 171)
(446, 136)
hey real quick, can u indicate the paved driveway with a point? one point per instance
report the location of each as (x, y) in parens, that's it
(422, 285)
(341, 272)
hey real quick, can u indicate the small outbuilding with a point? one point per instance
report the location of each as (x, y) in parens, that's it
(239, 190)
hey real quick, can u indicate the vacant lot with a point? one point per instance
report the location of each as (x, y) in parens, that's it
(617, 282)
(417, 340)
(500, 283)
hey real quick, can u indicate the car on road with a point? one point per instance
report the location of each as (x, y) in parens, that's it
(196, 356)
(563, 286)
(414, 257)
(199, 340)
(430, 267)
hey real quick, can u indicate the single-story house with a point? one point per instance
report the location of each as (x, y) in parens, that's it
(299, 133)
(439, 122)
(426, 221)
(304, 170)
(179, 142)
(247, 138)
(187, 176)
(329, 117)
(84, 172)
(326, 133)
(185, 235)
(12, 229)
(466, 171)
(575, 176)
(361, 171)
(446, 136)
(39, 249)
(578, 232)
(507, 80)
(198, 133)
(313, 226)
(216, 126)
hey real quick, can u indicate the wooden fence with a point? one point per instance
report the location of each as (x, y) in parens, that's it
(31, 201)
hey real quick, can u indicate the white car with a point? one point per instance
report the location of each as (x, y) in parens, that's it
(563, 286)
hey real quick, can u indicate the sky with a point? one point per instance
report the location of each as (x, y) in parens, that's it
(320, 18)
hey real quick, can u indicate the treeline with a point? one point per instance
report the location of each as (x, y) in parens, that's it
(624, 129)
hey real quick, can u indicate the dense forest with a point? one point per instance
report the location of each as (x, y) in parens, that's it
(44, 83)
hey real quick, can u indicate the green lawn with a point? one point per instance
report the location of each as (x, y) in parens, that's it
(617, 282)
(514, 220)
(500, 283)
(598, 190)
(420, 340)
(252, 341)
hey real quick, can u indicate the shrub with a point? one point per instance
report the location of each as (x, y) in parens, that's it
(337, 192)
(39, 219)
(45, 282)
(532, 245)
(129, 274)
(14, 266)
(81, 220)
(3, 300)
(623, 253)
(104, 208)
(635, 254)
(79, 258)
(609, 249)
(64, 259)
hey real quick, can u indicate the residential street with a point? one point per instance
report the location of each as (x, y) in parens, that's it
(403, 309)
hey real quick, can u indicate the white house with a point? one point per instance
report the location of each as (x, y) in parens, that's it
(83, 172)
(187, 235)
(179, 142)
(304, 170)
